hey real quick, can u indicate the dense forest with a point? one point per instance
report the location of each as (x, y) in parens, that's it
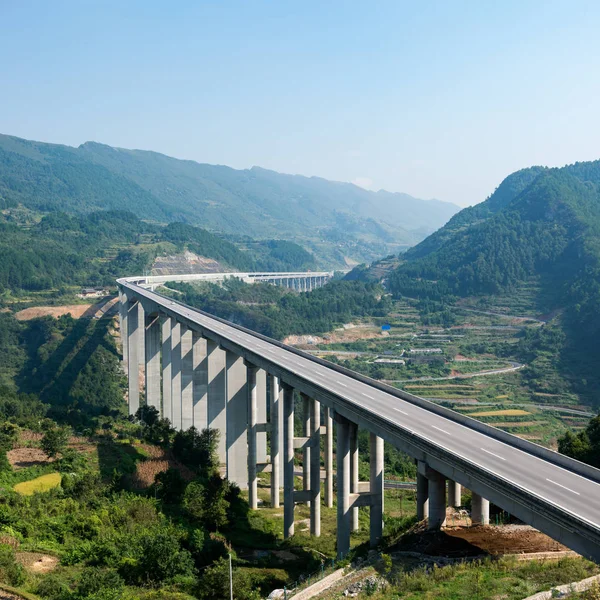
(94, 249)
(275, 312)
(542, 224)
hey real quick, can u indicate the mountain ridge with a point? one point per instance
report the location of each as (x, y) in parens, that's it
(541, 224)
(257, 202)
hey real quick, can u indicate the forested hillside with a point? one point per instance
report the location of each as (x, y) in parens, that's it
(540, 224)
(93, 249)
(254, 202)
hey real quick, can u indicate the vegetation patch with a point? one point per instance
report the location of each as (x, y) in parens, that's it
(509, 412)
(40, 484)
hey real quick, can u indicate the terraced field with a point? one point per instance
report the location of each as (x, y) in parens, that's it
(468, 361)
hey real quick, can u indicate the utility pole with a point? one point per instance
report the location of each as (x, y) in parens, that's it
(230, 579)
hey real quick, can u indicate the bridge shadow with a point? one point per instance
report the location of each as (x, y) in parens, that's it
(53, 378)
(117, 460)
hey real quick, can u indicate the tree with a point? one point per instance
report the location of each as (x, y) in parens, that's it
(169, 485)
(583, 446)
(160, 559)
(206, 501)
(55, 441)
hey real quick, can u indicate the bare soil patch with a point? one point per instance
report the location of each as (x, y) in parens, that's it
(36, 562)
(99, 309)
(477, 541)
(508, 539)
(34, 312)
(21, 458)
(158, 462)
(350, 332)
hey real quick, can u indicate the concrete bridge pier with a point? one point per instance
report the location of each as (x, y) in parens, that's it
(123, 326)
(354, 483)
(315, 468)
(422, 492)
(165, 326)
(376, 489)
(152, 356)
(134, 334)
(252, 414)
(288, 458)
(276, 422)
(187, 379)
(480, 510)
(343, 485)
(306, 432)
(200, 381)
(327, 412)
(176, 374)
(217, 395)
(454, 494)
(431, 496)
(237, 418)
(261, 418)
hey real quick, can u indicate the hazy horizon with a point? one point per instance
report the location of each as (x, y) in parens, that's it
(438, 101)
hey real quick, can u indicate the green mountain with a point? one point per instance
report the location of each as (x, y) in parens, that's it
(540, 225)
(255, 202)
(62, 251)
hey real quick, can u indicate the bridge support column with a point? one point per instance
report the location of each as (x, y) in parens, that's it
(237, 420)
(288, 473)
(306, 430)
(480, 510)
(437, 500)
(252, 414)
(123, 327)
(152, 353)
(142, 348)
(187, 378)
(200, 383)
(343, 485)
(276, 421)
(376, 489)
(261, 417)
(133, 342)
(176, 373)
(315, 468)
(167, 405)
(422, 491)
(328, 457)
(217, 395)
(354, 487)
(454, 493)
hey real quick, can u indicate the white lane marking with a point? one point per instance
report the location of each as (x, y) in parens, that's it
(400, 411)
(442, 430)
(367, 396)
(340, 383)
(564, 487)
(496, 455)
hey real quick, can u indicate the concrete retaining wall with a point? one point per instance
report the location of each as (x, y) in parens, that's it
(568, 588)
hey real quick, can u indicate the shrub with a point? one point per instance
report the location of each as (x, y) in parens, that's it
(11, 572)
(159, 558)
(55, 441)
(52, 587)
(94, 580)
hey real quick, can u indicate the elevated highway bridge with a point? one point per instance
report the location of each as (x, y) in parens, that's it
(202, 371)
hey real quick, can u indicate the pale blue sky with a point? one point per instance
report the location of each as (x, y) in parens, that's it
(436, 99)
